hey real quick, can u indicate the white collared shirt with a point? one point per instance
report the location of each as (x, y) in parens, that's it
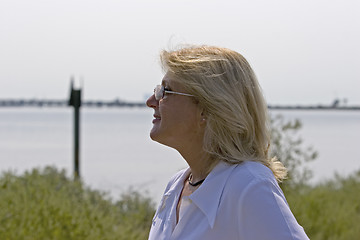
(241, 201)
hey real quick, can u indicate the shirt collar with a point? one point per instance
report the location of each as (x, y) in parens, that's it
(178, 182)
(207, 197)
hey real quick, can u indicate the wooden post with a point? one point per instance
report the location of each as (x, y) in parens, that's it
(75, 101)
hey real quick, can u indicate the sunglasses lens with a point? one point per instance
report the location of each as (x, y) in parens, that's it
(159, 92)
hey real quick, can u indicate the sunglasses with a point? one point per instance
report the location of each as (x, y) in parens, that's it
(159, 92)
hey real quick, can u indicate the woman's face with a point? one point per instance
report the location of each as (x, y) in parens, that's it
(178, 121)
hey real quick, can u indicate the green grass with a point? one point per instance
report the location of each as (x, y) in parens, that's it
(330, 210)
(46, 204)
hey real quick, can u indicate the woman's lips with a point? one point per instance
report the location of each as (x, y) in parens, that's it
(156, 118)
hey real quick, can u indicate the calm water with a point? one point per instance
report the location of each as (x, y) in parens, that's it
(116, 151)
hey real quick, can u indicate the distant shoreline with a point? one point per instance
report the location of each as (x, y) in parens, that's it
(317, 107)
(119, 104)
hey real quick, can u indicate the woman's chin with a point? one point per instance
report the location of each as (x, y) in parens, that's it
(152, 136)
(154, 133)
(157, 137)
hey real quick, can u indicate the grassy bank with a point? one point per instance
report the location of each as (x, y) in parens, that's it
(45, 204)
(330, 210)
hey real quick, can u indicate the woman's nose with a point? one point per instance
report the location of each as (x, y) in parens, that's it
(152, 102)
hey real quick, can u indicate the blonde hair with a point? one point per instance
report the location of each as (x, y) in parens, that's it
(225, 86)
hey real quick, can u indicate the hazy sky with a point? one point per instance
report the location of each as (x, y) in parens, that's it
(303, 51)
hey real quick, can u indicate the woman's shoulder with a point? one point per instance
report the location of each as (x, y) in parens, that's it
(249, 173)
(252, 170)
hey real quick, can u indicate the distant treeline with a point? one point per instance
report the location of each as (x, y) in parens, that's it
(65, 103)
(120, 103)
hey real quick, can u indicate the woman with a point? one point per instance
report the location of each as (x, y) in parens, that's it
(209, 108)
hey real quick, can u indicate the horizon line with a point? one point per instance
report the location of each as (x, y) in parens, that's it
(120, 103)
